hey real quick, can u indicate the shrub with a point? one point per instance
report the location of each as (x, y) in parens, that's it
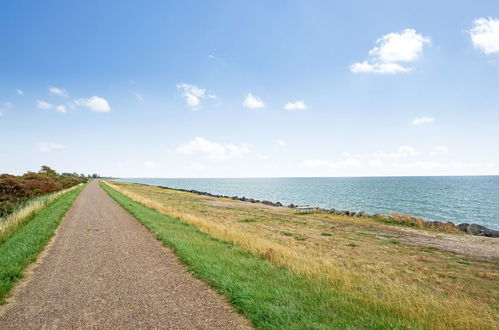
(16, 190)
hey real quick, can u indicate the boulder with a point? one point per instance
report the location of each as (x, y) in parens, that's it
(491, 233)
(475, 229)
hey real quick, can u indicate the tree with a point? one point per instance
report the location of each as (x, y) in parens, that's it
(48, 171)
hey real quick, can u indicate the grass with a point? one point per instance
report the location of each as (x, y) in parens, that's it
(23, 246)
(404, 283)
(272, 297)
(12, 222)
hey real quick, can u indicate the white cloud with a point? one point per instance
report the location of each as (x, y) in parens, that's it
(50, 146)
(43, 105)
(253, 102)
(297, 105)
(213, 150)
(95, 103)
(61, 108)
(1, 112)
(150, 164)
(281, 143)
(485, 35)
(58, 91)
(19, 92)
(422, 120)
(193, 95)
(366, 67)
(390, 49)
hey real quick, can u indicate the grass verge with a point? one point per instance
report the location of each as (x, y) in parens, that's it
(11, 223)
(23, 246)
(272, 297)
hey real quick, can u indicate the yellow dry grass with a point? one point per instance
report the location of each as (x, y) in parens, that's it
(13, 221)
(357, 256)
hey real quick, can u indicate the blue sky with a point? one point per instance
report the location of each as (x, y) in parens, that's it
(250, 88)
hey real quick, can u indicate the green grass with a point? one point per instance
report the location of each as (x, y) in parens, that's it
(28, 241)
(272, 297)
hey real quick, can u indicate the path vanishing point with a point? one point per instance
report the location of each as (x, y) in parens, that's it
(105, 270)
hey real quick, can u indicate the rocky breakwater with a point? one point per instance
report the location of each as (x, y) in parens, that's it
(471, 229)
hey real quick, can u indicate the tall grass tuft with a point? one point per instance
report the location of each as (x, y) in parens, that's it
(12, 222)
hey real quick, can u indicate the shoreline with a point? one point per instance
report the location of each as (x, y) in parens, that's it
(395, 218)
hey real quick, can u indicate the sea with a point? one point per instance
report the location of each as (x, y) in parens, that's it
(471, 199)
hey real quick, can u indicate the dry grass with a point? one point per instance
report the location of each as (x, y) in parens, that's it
(360, 257)
(410, 221)
(13, 221)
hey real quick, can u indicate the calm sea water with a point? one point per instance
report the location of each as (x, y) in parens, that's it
(457, 199)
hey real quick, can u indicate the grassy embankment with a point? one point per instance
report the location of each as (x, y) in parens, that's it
(27, 231)
(285, 270)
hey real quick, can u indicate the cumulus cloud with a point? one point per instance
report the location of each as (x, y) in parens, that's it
(61, 108)
(58, 91)
(390, 50)
(297, 105)
(94, 103)
(193, 95)
(213, 150)
(253, 102)
(19, 92)
(43, 105)
(50, 146)
(485, 35)
(422, 120)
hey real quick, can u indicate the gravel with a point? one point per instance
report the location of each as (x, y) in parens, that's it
(105, 270)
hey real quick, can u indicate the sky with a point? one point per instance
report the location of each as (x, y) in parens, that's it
(250, 88)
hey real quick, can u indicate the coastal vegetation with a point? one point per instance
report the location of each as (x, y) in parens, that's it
(284, 269)
(28, 234)
(15, 191)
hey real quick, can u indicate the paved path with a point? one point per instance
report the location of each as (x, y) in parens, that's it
(105, 270)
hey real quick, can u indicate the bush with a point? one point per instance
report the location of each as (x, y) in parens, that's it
(16, 190)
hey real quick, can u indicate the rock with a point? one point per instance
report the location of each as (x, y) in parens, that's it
(491, 233)
(475, 229)
(278, 204)
(362, 214)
